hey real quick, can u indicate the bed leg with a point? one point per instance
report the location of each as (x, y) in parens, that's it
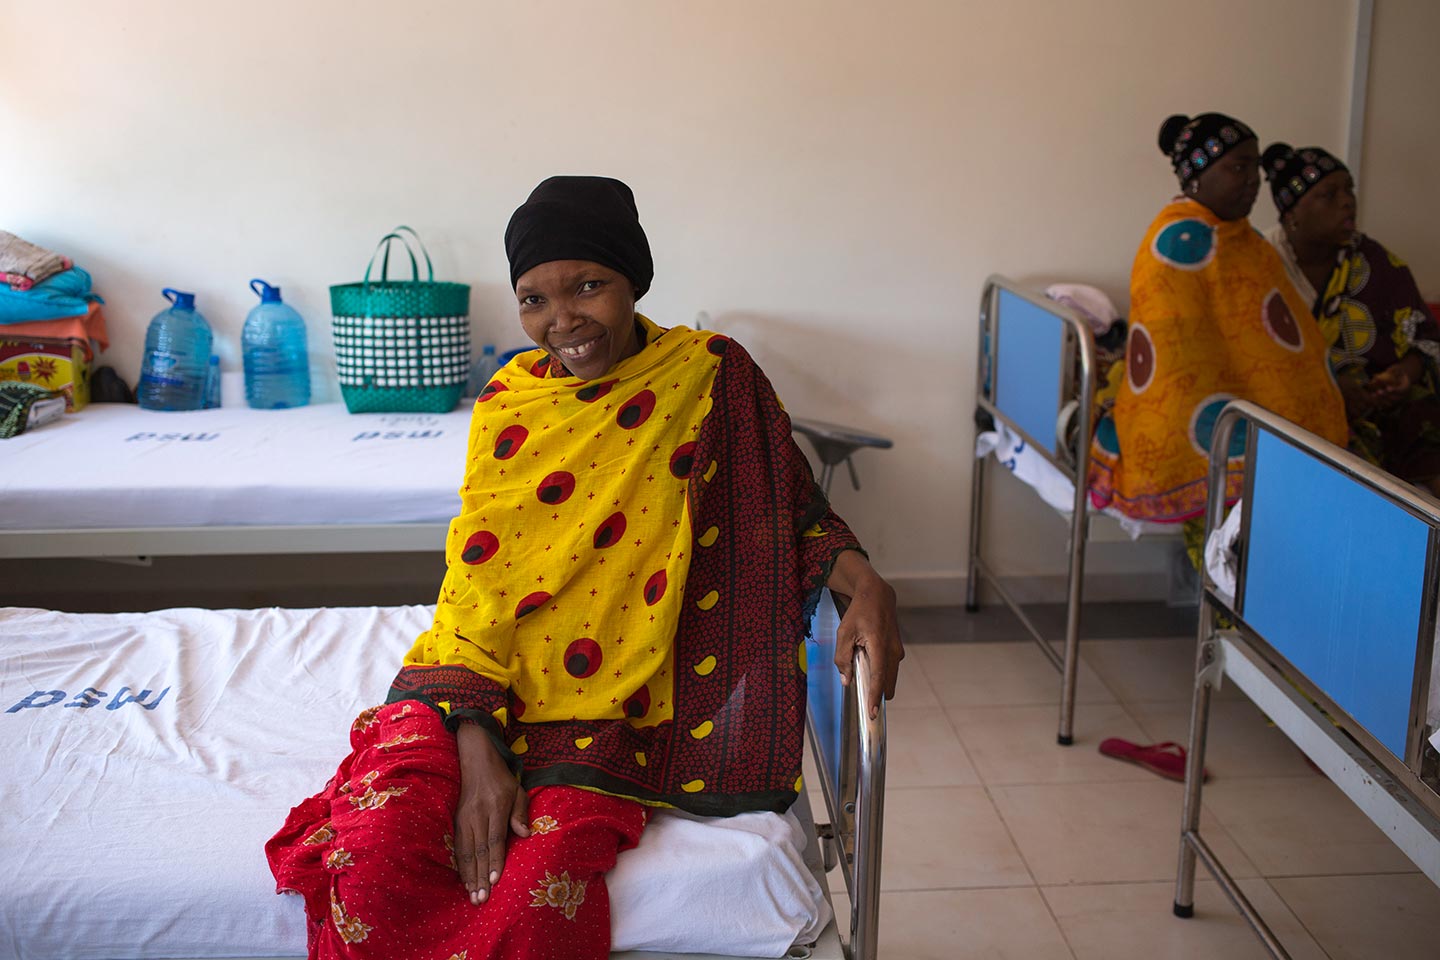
(977, 496)
(1075, 589)
(1195, 764)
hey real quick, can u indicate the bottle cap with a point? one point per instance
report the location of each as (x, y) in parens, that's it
(265, 292)
(181, 299)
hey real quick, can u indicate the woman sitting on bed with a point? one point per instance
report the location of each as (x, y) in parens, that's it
(1213, 317)
(1384, 344)
(639, 547)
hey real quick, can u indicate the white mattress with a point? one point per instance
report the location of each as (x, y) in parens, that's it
(117, 466)
(135, 828)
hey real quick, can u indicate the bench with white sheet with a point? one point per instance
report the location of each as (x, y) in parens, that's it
(150, 756)
(115, 481)
(1320, 605)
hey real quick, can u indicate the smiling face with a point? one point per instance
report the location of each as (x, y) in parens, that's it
(1325, 214)
(1232, 183)
(581, 313)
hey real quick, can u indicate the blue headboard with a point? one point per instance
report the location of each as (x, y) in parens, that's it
(1028, 346)
(1333, 579)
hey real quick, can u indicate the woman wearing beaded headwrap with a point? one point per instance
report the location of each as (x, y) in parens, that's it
(1213, 318)
(1384, 343)
(620, 627)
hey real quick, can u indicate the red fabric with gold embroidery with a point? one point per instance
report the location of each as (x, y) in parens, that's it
(372, 856)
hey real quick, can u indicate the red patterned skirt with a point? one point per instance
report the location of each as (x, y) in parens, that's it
(372, 856)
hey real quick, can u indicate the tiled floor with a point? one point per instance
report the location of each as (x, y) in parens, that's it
(1001, 844)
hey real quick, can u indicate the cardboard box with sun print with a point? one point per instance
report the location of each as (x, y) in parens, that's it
(62, 365)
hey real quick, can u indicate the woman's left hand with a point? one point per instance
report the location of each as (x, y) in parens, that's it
(870, 623)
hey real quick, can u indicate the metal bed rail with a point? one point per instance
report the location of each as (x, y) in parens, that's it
(1389, 787)
(1079, 341)
(852, 777)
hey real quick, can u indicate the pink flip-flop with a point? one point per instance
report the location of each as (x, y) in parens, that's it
(1166, 759)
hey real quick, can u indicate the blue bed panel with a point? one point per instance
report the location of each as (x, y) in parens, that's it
(1334, 579)
(827, 697)
(1031, 342)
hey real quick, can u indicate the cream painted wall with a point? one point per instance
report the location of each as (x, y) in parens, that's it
(831, 181)
(1399, 189)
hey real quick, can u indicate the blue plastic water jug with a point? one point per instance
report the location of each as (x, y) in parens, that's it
(177, 356)
(276, 354)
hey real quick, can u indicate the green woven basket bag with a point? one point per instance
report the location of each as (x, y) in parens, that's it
(401, 346)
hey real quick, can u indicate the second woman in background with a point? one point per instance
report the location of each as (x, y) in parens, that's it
(1384, 343)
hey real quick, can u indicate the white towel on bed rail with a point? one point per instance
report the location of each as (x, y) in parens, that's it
(149, 756)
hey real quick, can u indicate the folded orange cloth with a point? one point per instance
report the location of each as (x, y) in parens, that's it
(82, 326)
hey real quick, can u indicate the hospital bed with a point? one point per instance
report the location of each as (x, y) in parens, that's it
(115, 481)
(149, 756)
(1320, 605)
(1036, 356)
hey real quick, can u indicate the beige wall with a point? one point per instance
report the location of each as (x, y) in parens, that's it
(831, 181)
(1400, 163)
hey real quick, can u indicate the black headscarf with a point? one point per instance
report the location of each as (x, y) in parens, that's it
(1291, 173)
(1194, 143)
(580, 218)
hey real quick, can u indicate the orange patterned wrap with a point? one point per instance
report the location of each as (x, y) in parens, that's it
(1213, 317)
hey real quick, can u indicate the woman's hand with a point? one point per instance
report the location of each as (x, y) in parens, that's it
(1391, 385)
(491, 804)
(870, 623)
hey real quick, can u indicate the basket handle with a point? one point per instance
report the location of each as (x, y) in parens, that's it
(385, 264)
(429, 267)
(385, 261)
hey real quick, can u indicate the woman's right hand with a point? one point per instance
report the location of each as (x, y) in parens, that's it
(491, 805)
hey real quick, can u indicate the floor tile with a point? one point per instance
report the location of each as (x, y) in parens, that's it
(1104, 832)
(1010, 924)
(1241, 742)
(947, 838)
(1357, 918)
(923, 751)
(1332, 837)
(1147, 671)
(1000, 674)
(1012, 745)
(1134, 921)
(912, 689)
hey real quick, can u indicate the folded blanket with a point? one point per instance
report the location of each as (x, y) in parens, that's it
(66, 294)
(22, 264)
(86, 326)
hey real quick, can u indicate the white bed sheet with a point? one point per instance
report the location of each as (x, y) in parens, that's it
(148, 757)
(1054, 487)
(116, 466)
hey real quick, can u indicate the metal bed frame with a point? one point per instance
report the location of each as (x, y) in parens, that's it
(1070, 336)
(1382, 762)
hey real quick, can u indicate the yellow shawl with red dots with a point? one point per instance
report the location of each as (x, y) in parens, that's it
(629, 578)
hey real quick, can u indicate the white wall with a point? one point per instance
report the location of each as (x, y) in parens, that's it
(1400, 161)
(831, 181)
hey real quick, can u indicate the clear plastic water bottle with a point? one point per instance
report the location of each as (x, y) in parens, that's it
(212, 383)
(485, 368)
(276, 354)
(177, 356)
